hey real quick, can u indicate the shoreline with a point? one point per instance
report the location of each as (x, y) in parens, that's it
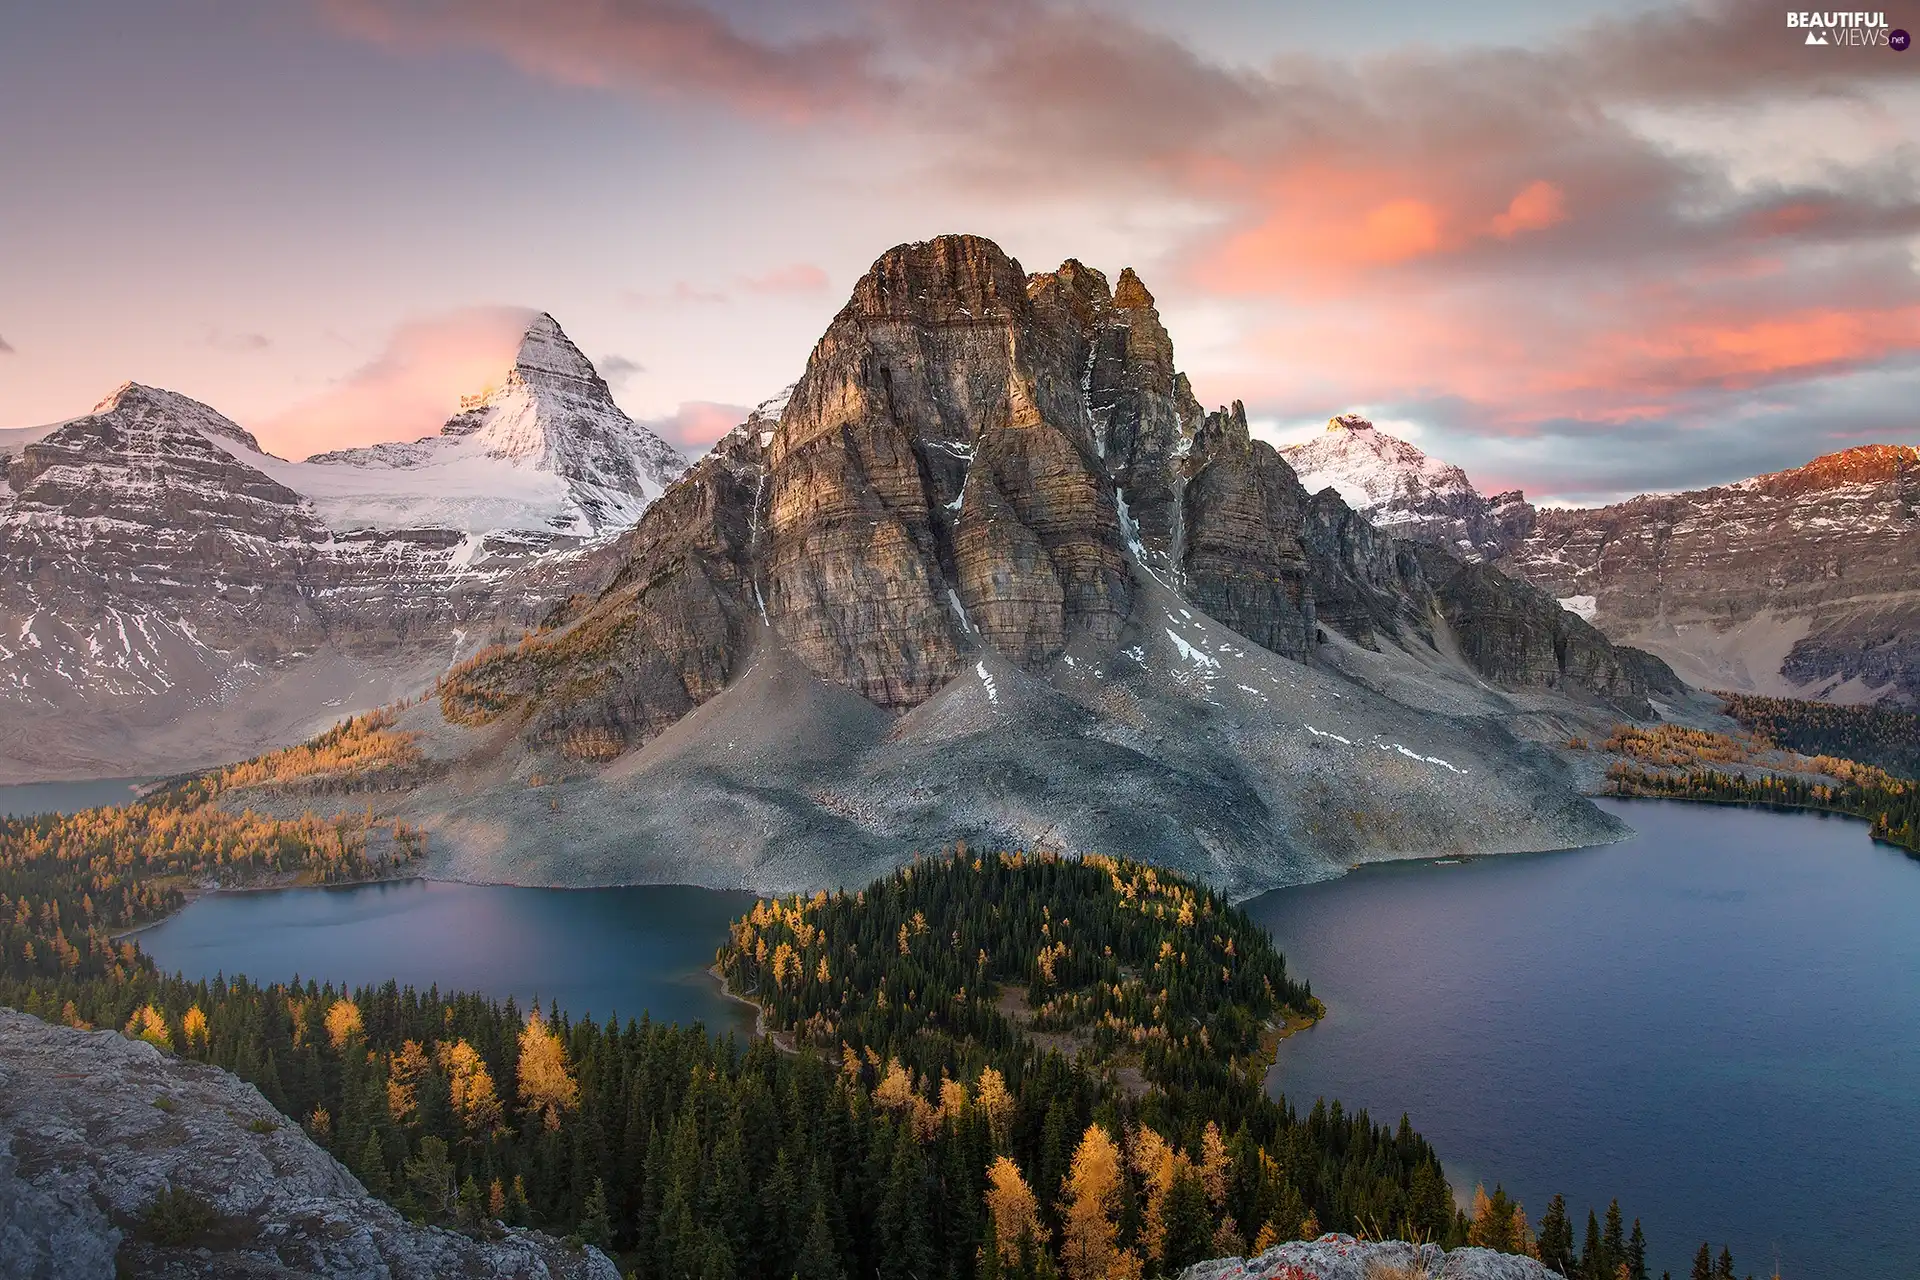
(196, 892)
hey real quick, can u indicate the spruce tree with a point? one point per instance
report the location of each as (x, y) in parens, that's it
(1556, 1237)
(1615, 1241)
(595, 1226)
(1637, 1253)
(1593, 1255)
(1703, 1264)
(1189, 1225)
(1723, 1270)
(819, 1259)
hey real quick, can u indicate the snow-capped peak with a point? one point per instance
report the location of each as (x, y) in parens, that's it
(1378, 475)
(156, 407)
(546, 447)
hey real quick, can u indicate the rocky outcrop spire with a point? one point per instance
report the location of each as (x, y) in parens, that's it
(1241, 557)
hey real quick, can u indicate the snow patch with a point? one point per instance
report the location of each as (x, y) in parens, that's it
(1585, 606)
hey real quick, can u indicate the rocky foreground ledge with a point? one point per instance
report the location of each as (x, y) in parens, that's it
(94, 1128)
(1337, 1257)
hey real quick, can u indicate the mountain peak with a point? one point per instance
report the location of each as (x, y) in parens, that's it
(157, 405)
(1349, 422)
(546, 352)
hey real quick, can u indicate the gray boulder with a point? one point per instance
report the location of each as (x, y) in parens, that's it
(94, 1127)
(1338, 1257)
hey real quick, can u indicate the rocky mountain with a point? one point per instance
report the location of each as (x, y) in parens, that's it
(992, 571)
(171, 594)
(1803, 583)
(1800, 583)
(95, 1127)
(1399, 488)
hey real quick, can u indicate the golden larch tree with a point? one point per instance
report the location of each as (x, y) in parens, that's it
(546, 1086)
(343, 1022)
(1013, 1208)
(1090, 1207)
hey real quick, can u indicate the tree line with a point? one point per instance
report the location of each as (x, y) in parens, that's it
(1004, 1066)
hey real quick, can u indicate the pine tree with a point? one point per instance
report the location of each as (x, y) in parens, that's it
(1593, 1254)
(1637, 1253)
(819, 1259)
(1723, 1270)
(595, 1227)
(1556, 1237)
(1614, 1242)
(1188, 1225)
(1703, 1264)
(373, 1167)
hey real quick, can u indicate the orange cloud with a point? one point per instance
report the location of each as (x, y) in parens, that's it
(410, 389)
(1736, 353)
(1539, 205)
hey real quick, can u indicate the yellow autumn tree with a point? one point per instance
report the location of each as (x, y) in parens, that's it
(471, 1085)
(1153, 1161)
(1215, 1164)
(149, 1024)
(193, 1029)
(343, 1021)
(546, 1086)
(403, 1081)
(1013, 1208)
(1089, 1211)
(991, 1096)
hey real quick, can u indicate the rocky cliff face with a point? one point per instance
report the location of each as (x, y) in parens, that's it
(1798, 583)
(989, 571)
(170, 594)
(1241, 558)
(94, 1127)
(1804, 582)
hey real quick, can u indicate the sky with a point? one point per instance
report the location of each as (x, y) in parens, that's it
(1586, 249)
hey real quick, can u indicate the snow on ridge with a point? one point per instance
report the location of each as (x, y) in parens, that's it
(1584, 606)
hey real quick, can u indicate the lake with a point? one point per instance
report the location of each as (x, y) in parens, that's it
(1719, 1023)
(596, 952)
(23, 799)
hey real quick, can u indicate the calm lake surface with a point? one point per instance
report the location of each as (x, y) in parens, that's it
(1718, 1022)
(27, 798)
(595, 951)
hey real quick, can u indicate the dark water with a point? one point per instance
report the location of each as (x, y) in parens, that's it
(1718, 1022)
(65, 797)
(595, 951)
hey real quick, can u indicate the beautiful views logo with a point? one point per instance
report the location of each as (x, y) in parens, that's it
(1849, 30)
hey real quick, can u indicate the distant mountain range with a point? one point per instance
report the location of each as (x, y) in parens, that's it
(1802, 583)
(988, 569)
(171, 594)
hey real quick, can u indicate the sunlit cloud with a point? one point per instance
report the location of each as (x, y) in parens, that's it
(696, 424)
(411, 388)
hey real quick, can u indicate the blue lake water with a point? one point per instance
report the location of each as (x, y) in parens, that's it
(596, 952)
(23, 799)
(1718, 1022)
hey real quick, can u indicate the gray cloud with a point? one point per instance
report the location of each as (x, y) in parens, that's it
(617, 368)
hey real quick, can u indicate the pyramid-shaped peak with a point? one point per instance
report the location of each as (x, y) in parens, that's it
(1349, 422)
(546, 351)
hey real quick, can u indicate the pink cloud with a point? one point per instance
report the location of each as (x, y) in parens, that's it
(1539, 205)
(672, 48)
(696, 424)
(799, 277)
(410, 389)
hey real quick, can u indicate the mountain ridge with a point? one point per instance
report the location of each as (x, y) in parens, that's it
(963, 584)
(175, 595)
